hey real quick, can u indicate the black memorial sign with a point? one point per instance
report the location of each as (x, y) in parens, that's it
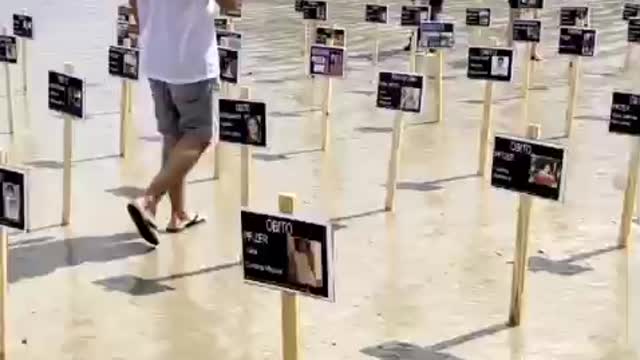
(14, 189)
(124, 62)
(400, 91)
(23, 26)
(378, 14)
(8, 49)
(625, 114)
(327, 60)
(490, 63)
(127, 29)
(330, 36)
(574, 16)
(413, 15)
(527, 30)
(243, 122)
(66, 94)
(230, 39)
(229, 64)
(526, 4)
(315, 10)
(528, 167)
(577, 41)
(221, 23)
(436, 35)
(288, 254)
(633, 33)
(298, 5)
(478, 17)
(630, 11)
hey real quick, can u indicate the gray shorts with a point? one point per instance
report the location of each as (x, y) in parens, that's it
(186, 108)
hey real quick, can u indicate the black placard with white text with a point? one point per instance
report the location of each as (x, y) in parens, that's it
(315, 10)
(413, 15)
(23, 26)
(625, 114)
(526, 4)
(435, 34)
(229, 64)
(630, 11)
(288, 254)
(221, 23)
(478, 17)
(528, 167)
(378, 14)
(127, 30)
(243, 122)
(400, 91)
(331, 36)
(633, 33)
(8, 49)
(490, 63)
(527, 30)
(124, 62)
(14, 187)
(577, 41)
(574, 16)
(327, 60)
(298, 5)
(66, 94)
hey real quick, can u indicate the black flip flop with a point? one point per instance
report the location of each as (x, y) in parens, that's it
(195, 220)
(145, 227)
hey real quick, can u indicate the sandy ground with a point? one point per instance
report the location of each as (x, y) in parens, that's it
(430, 281)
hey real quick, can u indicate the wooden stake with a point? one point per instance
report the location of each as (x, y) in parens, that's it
(9, 90)
(439, 87)
(394, 162)
(630, 194)
(521, 250)
(291, 341)
(326, 112)
(485, 131)
(245, 160)
(414, 49)
(526, 83)
(25, 78)
(4, 249)
(627, 57)
(124, 117)
(376, 45)
(574, 83)
(67, 152)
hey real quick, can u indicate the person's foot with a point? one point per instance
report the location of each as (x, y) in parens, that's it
(407, 48)
(183, 221)
(142, 215)
(536, 57)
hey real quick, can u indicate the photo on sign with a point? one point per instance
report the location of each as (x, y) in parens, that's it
(625, 114)
(633, 31)
(14, 207)
(66, 94)
(526, 30)
(526, 4)
(327, 60)
(400, 91)
(229, 39)
(630, 11)
(330, 36)
(490, 63)
(413, 15)
(574, 16)
(545, 171)
(315, 10)
(8, 49)
(229, 64)
(23, 26)
(500, 66)
(286, 253)
(243, 122)
(577, 41)
(478, 17)
(221, 23)
(376, 13)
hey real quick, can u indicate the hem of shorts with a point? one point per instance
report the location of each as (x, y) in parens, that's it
(182, 81)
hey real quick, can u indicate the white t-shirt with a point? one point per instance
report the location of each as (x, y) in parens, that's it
(178, 39)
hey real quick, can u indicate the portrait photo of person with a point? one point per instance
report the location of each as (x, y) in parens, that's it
(319, 64)
(484, 17)
(10, 51)
(335, 64)
(254, 130)
(75, 98)
(410, 99)
(382, 15)
(11, 201)
(544, 171)
(304, 262)
(338, 38)
(500, 66)
(588, 44)
(228, 65)
(130, 64)
(533, 33)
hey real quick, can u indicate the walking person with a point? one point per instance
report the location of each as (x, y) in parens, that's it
(180, 58)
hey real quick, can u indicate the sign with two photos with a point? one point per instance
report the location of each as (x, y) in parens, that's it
(243, 122)
(315, 10)
(494, 64)
(526, 4)
(577, 41)
(577, 16)
(8, 49)
(414, 15)
(527, 30)
(23, 26)
(327, 61)
(375, 13)
(124, 62)
(288, 253)
(331, 36)
(434, 34)
(478, 17)
(528, 167)
(66, 94)
(400, 91)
